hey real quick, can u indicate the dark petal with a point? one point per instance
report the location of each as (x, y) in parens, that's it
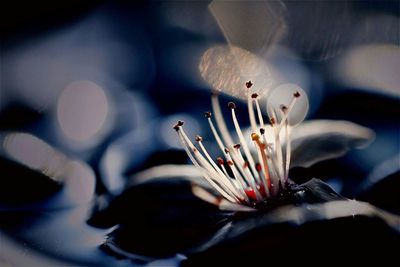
(315, 191)
(342, 240)
(22, 185)
(158, 218)
(383, 193)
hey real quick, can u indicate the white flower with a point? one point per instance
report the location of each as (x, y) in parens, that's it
(256, 169)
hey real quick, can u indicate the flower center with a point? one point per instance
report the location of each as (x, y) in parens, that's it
(242, 175)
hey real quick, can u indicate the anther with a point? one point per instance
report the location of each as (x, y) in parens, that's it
(237, 146)
(296, 94)
(255, 95)
(207, 114)
(231, 105)
(214, 92)
(255, 137)
(249, 84)
(226, 150)
(220, 161)
(199, 138)
(258, 167)
(262, 130)
(272, 121)
(283, 108)
(177, 125)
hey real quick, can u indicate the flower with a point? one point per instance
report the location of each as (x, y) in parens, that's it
(249, 181)
(170, 209)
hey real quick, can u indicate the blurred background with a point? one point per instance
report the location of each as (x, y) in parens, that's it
(97, 85)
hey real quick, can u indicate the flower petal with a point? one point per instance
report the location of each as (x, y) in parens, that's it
(190, 172)
(318, 140)
(347, 228)
(157, 219)
(381, 188)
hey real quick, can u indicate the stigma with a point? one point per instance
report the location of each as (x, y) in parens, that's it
(255, 168)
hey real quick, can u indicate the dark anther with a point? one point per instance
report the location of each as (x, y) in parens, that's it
(258, 167)
(199, 138)
(231, 105)
(296, 94)
(262, 130)
(255, 95)
(207, 114)
(220, 161)
(249, 84)
(226, 150)
(237, 146)
(283, 107)
(177, 125)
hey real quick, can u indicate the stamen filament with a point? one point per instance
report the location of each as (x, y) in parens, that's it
(220, 120)
(235, 171)
(287, 112)
(261, 149)
(278, 147)
(260, 118)
(250, 181)
(251, 112)
(237, 185)
(206, 165)
(244, 143)
(214, 131)
(288, 150)
(201, 169)
(224, 179)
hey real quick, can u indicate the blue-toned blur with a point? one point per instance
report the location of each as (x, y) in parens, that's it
(90, 92)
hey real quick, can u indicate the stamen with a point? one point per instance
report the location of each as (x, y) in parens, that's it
(236, 184)
(214, 131)
(235, 171)
(220, 120)
(260, 118)
(278, 147)
(220, 203)
(224, 179)
(261, 149)
(252, 118)
(239, 162)
(288, 152)
(249, 84)
(244, 165)
(177, 125)
(201, 169)
(287, 110)
(204, 163)
(245, 147)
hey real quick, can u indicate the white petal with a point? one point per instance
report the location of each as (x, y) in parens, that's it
(332, 210)
(170, 171)
(318, 140)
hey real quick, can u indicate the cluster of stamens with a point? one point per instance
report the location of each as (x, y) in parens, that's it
(239, 176)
